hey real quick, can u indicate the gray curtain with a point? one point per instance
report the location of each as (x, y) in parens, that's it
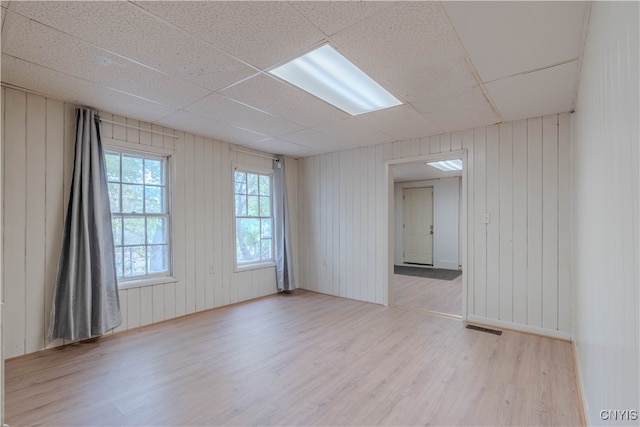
(282, 235)
(86, 302)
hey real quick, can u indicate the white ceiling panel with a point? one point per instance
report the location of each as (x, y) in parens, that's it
(226, 110)
(127, 30)
(506, 38)
(190, 122)
(283, 100)
(353, 133)
(401, 122)
(331, 17)
(449, 110)
(62, 86)
(546, 92)
(276, 146)
(233, 26)
(37, 43)
(317, 140)
(417, 52)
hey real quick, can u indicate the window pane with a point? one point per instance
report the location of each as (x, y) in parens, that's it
(158, 259)
(265, 206)
(241, 205)
(134, 231)
(116, 225)
(113, 166)
(132, 170)
(265, 183)
(248, 239)
(154, 200)
(132, 198)
(119, 260)
(156, 230)
(114, 197)
(252, 183)
(135, 261)
(265, 251)
(265, 228)
(153, 172)
(241, 182)
(253, 206)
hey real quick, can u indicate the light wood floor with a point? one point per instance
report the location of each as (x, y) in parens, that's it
(302, 359)
(443, 296)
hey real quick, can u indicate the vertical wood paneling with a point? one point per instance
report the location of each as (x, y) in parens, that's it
(54, 202)
(520, 220)
(564, 222)
(534, 222)
(550, 222)
(35, 222)
(493, 297)
(189, 218)
(506, 221)
(14, 226)
(469, 263)
(200, 190)
(122, 295)
(480, 229)
(605, 190)
(133, 308)
(179, 227)
(208, 264)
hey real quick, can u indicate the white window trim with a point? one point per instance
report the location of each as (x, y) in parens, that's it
(132, 148)
(237, 268)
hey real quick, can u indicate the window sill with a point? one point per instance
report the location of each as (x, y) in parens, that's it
(150, 281)
(248, 267)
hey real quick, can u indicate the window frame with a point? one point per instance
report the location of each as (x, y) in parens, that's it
(256, 170)
(124, 148)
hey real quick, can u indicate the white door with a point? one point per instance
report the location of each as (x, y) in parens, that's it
(418, 225)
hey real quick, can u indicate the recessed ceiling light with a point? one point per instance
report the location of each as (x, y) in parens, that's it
(447, 165)
(325, 73)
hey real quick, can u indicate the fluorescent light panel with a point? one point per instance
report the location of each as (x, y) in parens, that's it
(325, 73)
(447, 165)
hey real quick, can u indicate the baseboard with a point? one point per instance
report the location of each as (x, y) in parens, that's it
(566, 336)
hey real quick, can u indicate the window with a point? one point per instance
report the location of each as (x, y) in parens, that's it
(254, 244)
(140, 213)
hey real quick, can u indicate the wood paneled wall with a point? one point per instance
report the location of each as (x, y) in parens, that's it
(606, 234)
(517, 267)
(38, 139)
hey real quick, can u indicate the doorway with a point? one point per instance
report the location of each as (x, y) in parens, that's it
(438, 283)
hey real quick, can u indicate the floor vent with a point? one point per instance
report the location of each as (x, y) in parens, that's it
(481, 329)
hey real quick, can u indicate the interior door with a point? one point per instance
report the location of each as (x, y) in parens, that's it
(418, 225)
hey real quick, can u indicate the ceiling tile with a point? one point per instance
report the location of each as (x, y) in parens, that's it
(233, 26)
(283, 100)
(401, 122)
(320, 141)
(50, 48)
(458, 109)
(353, 133)
(226, 110)
(506, 38)
(410, 48)
(126, 29)
(64, 87)
(278, 146)
(194, 123)
(332, 16)
(546, 91)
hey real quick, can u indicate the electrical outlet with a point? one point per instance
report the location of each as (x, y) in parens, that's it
(486, 218)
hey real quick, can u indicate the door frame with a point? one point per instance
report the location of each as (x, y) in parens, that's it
(390, 222)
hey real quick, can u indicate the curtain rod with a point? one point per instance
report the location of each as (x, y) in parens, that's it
(254, 154)
(138, 128)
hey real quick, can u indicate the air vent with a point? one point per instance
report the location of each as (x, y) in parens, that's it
(487, 330)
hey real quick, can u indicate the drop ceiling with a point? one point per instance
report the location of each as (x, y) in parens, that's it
(202, 67)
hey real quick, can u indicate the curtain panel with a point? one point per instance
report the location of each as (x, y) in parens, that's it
(282, 237)
(86, 302)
